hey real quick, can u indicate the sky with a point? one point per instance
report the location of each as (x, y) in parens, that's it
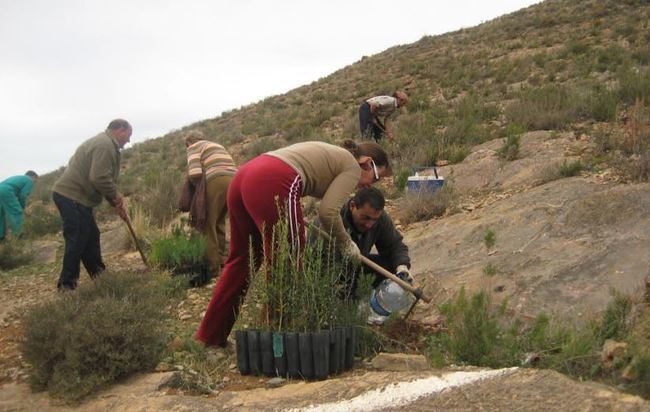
(67, 67)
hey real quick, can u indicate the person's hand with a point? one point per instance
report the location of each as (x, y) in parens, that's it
(118, 201)
(120, 206)
(389, 135)
(353, 253)
(121, 211)
(404, 274)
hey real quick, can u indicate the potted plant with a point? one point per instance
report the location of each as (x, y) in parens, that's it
(302, 315)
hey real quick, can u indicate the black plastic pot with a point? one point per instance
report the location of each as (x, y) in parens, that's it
(321, 354)
(241, 339)
(293, 354)
(305, 346)
(254, 354)
(266, 349)
(296, 355)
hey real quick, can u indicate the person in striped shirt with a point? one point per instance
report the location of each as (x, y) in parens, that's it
(212, 160)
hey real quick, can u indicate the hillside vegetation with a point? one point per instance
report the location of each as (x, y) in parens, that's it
(558, 65)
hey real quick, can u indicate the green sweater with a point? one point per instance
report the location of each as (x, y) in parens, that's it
(92, 172)
(21, 186)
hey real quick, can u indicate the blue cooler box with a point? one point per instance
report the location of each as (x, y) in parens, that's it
(430, 184)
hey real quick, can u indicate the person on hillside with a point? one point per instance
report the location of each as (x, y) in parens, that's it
(212, 161)
(91, 176)
(376, 109)
(369, 225)
(13, 198)
(272, 184)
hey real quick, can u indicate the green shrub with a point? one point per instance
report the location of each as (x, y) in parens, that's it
(14, 253)
(41, 221)
(571, 168)
(490, 238)
(178, 250)
(401, 178)
(473, 335)
(510, 148)
(490, 270)
(614, 322)
(102, 332)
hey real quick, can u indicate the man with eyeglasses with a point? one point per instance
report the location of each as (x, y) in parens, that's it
(369, 225)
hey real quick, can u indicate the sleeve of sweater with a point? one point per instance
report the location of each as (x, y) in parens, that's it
(194, 167)
(101, 173)
(330, 206)
(24, 192)
(389, 244)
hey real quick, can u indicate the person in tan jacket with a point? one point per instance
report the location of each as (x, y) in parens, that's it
(328, 172)
(91, 176)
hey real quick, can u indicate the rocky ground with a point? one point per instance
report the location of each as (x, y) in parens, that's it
(561, 246)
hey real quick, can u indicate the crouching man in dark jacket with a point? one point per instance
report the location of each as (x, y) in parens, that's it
(368, 225)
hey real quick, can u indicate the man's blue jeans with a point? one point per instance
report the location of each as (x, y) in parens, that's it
(81, 236)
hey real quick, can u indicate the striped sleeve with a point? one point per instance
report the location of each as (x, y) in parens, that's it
(194, 168)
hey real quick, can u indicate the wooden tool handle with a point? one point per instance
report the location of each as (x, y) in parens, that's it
(417, 292)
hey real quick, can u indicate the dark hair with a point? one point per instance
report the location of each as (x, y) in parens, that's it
(371, 196)
(31, 173)
(370, 149)
(118, 124)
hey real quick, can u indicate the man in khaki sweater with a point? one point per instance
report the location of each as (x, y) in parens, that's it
(91, 176)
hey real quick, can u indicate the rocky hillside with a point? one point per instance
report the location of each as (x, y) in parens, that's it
(558, 65)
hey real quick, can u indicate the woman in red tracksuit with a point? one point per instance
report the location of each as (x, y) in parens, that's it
(328, 172)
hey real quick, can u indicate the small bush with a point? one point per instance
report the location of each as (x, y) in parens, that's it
(569, 169)
(490, 238)
(102, 332)
(178, 251)
(14, 253)
(490, 270)
(401, 178)
(510, 148)
(473, 335)
(423, 205)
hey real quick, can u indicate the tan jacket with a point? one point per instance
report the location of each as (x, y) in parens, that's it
(328, 172)
(92, 172)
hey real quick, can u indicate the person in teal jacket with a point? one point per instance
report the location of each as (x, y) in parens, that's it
(13, 198)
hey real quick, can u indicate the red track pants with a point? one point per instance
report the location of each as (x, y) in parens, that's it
(253, 195)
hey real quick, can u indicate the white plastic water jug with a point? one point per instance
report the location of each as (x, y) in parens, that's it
(387, 298)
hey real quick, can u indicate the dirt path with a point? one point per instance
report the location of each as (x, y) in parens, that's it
(502, 390)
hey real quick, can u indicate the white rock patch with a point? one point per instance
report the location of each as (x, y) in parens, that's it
(403, 393)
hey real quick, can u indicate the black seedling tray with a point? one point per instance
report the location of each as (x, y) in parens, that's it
(313, 355)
